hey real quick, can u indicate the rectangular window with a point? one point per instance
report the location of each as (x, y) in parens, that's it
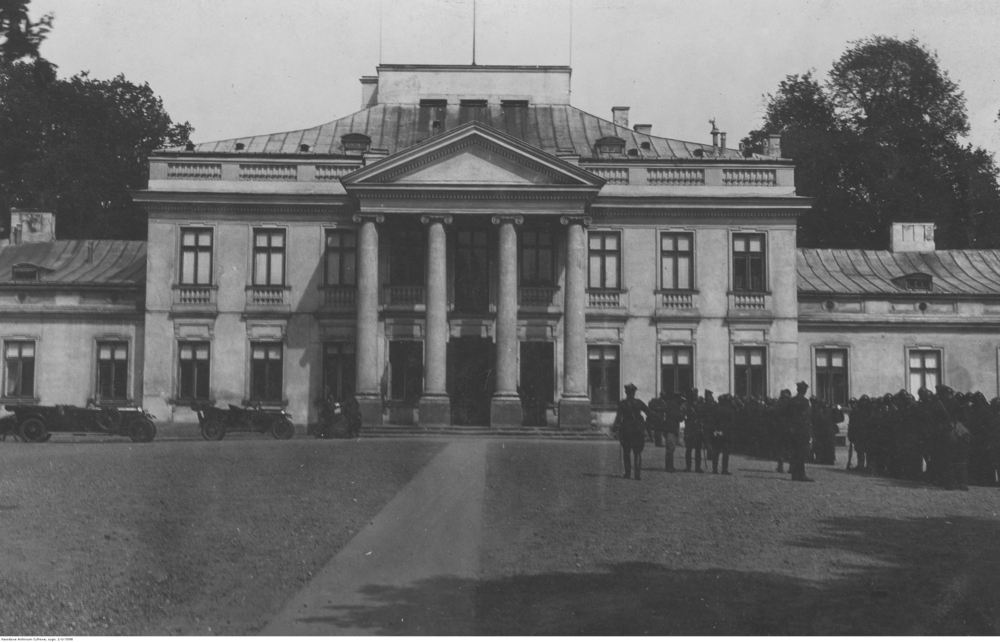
(431, 117)
(193, 363)
(341, 257)
(19, 370)
(676, 369)
(196, 256)
(676, 261)
(748, 263)
(406, 257)
(112, 371)
(750, 372)
(515, 117)
(266, 372)
(470, 110)
(603, 375)
(269, 257)
(831, 376)
(537, 258)
(338, 369)
(406, 361)
(925, 370)
(605, 260)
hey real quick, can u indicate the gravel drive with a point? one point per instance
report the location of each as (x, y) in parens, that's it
(196, 538)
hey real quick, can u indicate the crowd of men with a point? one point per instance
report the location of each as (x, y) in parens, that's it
(945, 438)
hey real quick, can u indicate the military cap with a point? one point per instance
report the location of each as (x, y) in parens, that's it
(630, 386)
(802, 385)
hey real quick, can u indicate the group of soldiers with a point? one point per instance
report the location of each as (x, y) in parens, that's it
(943, 437)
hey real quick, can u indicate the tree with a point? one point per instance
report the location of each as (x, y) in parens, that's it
(880, 142)
(78, 146)
(19, 36)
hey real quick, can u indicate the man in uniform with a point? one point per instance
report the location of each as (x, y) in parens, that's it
(722, 433)
(666, 410)
(799, 414)
(631, 428)
(693, 436)
(781, 429)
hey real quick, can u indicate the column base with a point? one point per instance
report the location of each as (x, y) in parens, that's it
(574, 413)
(371, 409)
(506, 412)
(435, 411)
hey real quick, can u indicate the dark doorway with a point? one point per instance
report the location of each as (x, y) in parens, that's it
(537, 367)
(472, 272)
(470, 380)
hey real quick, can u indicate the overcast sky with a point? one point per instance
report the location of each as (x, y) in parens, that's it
(243, 67)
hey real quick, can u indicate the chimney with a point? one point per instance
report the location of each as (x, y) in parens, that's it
(369, 91)
(715, 136)
(643, 129)
(913, 237)
(774, 145)
(31, 227)
(620, 116)
(722, 141)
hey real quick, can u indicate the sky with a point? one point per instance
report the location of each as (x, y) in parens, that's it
(237, 68)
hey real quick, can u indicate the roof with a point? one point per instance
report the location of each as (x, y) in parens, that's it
(112, 262)
(556, 129)
(968, 272)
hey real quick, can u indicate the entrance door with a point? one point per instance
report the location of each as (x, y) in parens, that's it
(537, 372)
(470, 379)
(472, 272)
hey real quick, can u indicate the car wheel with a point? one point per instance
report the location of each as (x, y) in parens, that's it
(213, 430)
(282, 429)
(33, 429)
(109, 419)
(142, 430)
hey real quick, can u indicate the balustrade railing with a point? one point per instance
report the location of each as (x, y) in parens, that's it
(339, 297)
(676, 300)
(195, 171)
(749, 301)
(537, 296)
(404, 295)
(605, 299)
(194, 295)
(266, 295)
(674, 176)
(263, 172)
(333, 172)
(749, 177)
(613, 175)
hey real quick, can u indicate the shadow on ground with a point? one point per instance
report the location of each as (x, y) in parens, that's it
(896, 577)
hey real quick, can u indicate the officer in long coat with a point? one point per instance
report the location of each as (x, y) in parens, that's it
(630, 425)
(801, 426)
(694, 438)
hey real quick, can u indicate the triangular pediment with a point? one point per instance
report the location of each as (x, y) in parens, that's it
(471, 156)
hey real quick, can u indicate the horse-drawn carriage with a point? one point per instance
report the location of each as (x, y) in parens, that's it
(38, 423)
(215, 422)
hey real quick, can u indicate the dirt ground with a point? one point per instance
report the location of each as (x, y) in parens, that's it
(190, 538)
(214, 538)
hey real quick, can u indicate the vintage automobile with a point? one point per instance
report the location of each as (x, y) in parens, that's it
(37, 423)
(216, 422)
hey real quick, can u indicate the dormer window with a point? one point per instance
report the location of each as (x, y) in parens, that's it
(240, 147)
(355, 143)
(25, 272)
(917, 282)
(610, 145)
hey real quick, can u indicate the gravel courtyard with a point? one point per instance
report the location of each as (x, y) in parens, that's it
(214, 538)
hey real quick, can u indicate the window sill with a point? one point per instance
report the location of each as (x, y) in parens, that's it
(187, 402)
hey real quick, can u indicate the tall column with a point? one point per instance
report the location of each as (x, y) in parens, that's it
(435, 406)
(366, 330)
(574, 406)
(505, 407)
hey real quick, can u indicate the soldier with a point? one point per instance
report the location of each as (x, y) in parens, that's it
(781, 429)
(657, 417)
(722, 433)
(693, 436)
(631, 428)
(666, 411)
(799, 412)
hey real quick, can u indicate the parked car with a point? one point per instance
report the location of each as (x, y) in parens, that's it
(216, 422)
(37, 423)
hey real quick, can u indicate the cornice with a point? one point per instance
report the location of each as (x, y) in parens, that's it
(696, 211)
(246, 208)
(470, 195)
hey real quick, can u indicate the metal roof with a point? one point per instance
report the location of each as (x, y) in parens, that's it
(110, 262)
(968, 272)
(556, 129)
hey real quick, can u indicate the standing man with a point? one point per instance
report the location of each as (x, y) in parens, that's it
(801, 432)
(631, 428)
(722, 433)
(693, 436)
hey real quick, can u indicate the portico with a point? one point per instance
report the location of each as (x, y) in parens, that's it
(474, 191)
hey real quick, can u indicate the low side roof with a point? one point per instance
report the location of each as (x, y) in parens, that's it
(551, 128)
(969, 272)
(111, 263)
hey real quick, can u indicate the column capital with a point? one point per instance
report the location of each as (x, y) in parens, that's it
(374, 218)
(500, 219)
(575, 220)
(436, 218)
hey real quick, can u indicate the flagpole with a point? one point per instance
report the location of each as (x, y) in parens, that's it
(473, 32)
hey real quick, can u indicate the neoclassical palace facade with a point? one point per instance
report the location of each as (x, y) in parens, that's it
(468, 248)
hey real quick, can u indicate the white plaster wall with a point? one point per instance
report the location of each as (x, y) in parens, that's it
(540, 86)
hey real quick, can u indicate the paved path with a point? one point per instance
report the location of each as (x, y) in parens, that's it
(411, 570)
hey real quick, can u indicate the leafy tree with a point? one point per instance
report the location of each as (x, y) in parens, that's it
(77, 147)
(879, 142)
(19, 36)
